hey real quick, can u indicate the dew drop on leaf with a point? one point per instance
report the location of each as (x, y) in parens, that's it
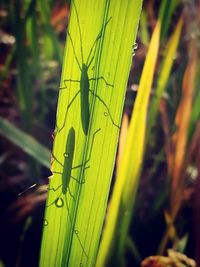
(135, 46)
(66, 155)
(59, 202)
(76, 232)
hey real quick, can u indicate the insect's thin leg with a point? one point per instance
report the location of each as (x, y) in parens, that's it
(75, 231)
(87, 167)
(101, 78)
(79, 27)
(74, 50)
(54, 158)
(68, 80)
(89, 61)
(98, 97)
(69, 105)
(54, 189)
(75, 179)
(79, 166)
(90, 153)
(71, 193)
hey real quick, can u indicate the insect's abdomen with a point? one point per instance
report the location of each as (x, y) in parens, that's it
(85, 108)
(69, 154)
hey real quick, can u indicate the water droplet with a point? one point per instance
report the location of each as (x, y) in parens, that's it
(59, 202)
(76, 232)
(105, 114)
(81, 264)
(66, 155)
(135, 46)
(45, 222)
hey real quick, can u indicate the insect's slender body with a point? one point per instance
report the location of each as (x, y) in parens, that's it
(66, 166)
(84, 91)
(69, 155)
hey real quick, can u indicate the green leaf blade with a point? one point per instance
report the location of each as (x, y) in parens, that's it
(71, 236)
(26, 142)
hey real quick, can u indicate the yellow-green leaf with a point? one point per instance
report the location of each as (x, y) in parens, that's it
(122, 200)
(164, 74)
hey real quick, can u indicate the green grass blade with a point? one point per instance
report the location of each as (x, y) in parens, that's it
(36, 68)
(26, 142)
(165, 13)
(122, 200)
(144, 28)
(24, 87)
(50, 39)
(134, 151)
(5, 69)
(195, 116)
(74, 219)
(164, 74)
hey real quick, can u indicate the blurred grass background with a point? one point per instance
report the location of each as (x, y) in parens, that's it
(166, 209)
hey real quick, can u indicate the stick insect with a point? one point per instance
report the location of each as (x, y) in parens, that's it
(66, 176)
(67, 166)
(85, 80)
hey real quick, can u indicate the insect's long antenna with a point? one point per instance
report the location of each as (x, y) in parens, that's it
(88, 63)
(75, 231)
(94, 46)
(74, 50)
(79, 31)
